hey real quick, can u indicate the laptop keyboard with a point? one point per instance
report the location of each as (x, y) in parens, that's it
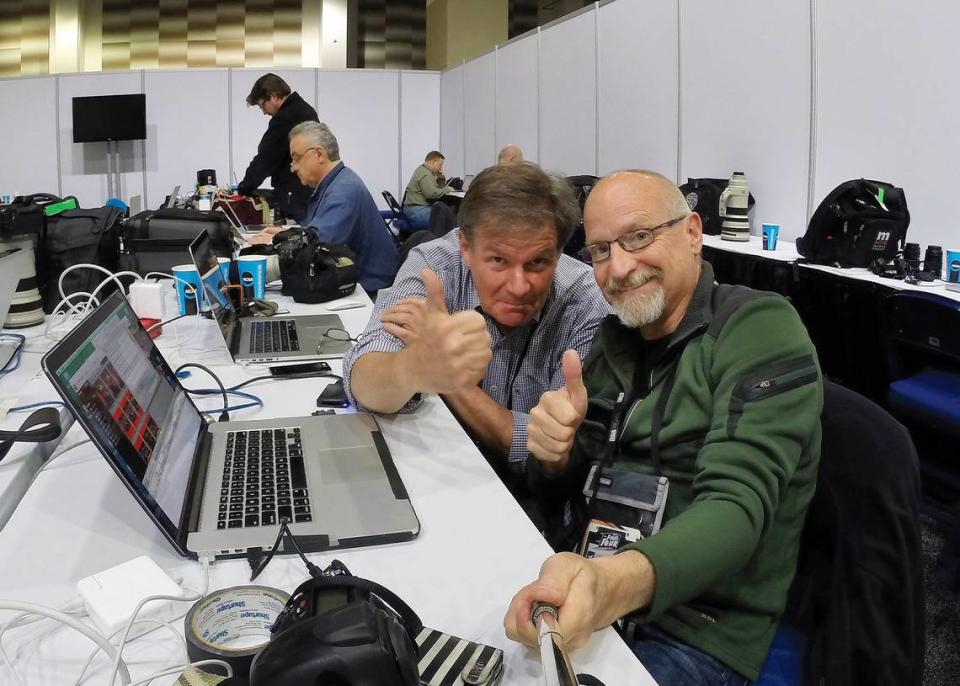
(263, 479)
(274, 337)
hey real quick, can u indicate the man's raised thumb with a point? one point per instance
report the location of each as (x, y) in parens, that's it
(573, 379)
(435, 298)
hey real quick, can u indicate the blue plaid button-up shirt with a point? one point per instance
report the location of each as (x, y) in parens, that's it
(526, 360)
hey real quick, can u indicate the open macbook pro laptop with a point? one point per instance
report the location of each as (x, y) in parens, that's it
(219, 489)
(261, 339)
(240, 230)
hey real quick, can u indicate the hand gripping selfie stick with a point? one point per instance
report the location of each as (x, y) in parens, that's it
(557, 670)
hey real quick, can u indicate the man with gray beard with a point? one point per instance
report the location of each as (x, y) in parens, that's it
(712, 392)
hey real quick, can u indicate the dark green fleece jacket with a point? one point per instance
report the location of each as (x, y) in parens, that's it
(732, 418)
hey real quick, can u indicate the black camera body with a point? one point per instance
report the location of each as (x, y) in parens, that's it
(894, 268)
(338, 630)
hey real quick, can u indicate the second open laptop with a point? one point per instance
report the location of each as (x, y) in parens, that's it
(261, 339)
(219, 489)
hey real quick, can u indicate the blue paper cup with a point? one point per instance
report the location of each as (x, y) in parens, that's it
(953, 266)
(189, 292)
(225, 268)
(252, 270)
(770, 234)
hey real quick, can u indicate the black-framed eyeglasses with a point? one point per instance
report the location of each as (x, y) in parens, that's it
(631, 241)
(338, 334)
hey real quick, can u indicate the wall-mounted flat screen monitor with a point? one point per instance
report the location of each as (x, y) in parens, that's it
(109, 118)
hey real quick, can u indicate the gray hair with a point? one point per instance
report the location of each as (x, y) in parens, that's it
(519, 198)
(318, 134)
(675, 204)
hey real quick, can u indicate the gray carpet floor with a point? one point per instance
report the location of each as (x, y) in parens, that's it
(942, 664)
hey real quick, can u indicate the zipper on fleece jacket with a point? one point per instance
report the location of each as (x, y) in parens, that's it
(770, 381)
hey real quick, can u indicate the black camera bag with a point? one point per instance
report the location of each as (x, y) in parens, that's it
(703, 197)
(156, 241)
(313, 271)
(859, 221)
(341, 629)
(81, 236)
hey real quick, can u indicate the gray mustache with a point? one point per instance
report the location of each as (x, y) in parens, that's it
(637, 277)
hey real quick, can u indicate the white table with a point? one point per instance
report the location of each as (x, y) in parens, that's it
(476, 547)
(787, 252)
(24, 386)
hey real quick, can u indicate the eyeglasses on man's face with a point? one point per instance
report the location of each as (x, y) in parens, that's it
(295, 157)
(631, 241)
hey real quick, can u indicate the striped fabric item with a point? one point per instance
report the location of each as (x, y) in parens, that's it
(446, 660)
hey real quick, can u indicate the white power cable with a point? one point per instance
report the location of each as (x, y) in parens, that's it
(120, 666)
(149, 620)
(205, 564)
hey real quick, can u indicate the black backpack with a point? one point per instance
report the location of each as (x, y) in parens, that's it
(703, 197)
(313, 271)
(80, 236)
(859, 221)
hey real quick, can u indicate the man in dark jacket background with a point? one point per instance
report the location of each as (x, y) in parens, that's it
(286, 109)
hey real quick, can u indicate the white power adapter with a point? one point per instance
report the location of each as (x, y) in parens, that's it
(111, 596)
(147, 299)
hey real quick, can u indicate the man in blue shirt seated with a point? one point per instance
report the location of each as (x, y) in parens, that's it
(482, 315)
(341, 209)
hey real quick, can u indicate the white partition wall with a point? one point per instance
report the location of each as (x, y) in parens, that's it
(248, 123)
(745, 101)
(479, 102)
(637, 86)
(517, 96)
(362, 110)
(419, 122)
(29, 120)
(197, 119)
(891, 113)
(185, 135)
(83, 166)
(568, 95)
(451, 120)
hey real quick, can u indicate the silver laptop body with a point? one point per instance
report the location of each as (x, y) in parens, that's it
(220, 489)
(261, 339)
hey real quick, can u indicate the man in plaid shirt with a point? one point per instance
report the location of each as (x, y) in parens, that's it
(482, 315)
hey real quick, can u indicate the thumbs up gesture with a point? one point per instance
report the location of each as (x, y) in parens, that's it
(555, 419)
(448, 353)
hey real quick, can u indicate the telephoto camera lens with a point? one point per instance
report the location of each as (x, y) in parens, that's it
(933, 261)
(911, 255)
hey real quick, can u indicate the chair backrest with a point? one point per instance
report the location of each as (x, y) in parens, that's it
(442, 218)
(415, 239)
(859, 582)
(921, 330)
(393, 204)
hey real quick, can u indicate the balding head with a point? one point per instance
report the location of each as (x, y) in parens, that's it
(647, 276)
(510, 154)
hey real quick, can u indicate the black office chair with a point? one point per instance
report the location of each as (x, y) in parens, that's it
(859, 582)
(922, 347)
(399, 221)
(582, 185)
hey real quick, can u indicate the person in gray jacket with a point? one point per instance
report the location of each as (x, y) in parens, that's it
(426, 186)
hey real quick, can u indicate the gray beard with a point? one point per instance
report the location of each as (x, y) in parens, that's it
(640, 309)
(636, 309)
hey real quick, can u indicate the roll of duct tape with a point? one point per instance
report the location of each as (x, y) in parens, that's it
(233, 625)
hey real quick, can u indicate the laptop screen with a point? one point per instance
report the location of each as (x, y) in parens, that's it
(129, 401)
(214, 285)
